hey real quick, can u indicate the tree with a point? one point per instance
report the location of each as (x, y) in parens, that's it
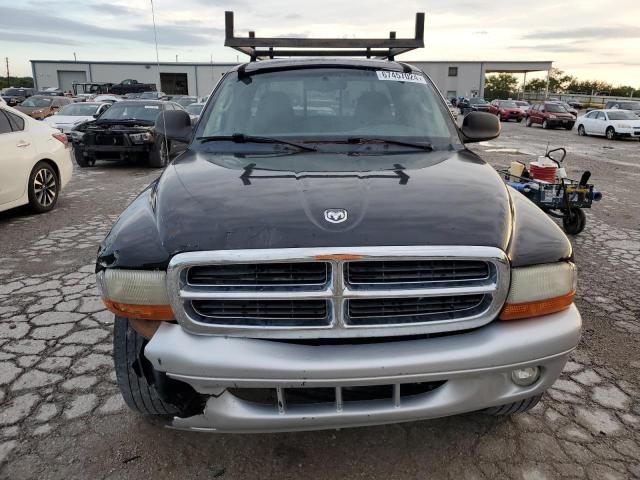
(26, 82)
(500, 85)
(558, 82)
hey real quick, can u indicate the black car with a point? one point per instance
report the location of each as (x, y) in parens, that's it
(474, 104)
(328, 253)
(633, 106)
(123, 132)
(15, 96)
(575, 104)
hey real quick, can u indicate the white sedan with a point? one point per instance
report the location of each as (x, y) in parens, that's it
(35, 162)
(75, 114)
(611, 123)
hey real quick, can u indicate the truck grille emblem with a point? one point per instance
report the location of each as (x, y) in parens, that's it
(335, 215)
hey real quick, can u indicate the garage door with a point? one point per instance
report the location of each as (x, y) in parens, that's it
(66, 78)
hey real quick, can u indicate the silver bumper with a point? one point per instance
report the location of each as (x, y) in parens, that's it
(476, 367)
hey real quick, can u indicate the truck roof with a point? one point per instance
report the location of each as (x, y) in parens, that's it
(327, 62)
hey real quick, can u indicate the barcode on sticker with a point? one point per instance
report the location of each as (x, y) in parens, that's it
(400, 76)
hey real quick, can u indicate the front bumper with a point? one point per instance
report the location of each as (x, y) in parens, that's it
(475, 367)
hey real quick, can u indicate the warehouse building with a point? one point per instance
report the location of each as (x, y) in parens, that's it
(452, 78)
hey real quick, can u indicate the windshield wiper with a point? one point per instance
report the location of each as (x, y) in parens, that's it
(363, 140)
(242, 138)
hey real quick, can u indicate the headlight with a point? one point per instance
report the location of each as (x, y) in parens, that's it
(540, 290)
(624, 125)
(141, 137)
(76, 136)
(138, 294)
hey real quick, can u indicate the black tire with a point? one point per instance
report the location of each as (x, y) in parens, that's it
(515, 407)
(138, 394)
(520, 120)
(575, 221)
(81, 160)
(159, 156)
(611, 133)
(581, 131)
(44, 187)
(528, 122)
(545, 125)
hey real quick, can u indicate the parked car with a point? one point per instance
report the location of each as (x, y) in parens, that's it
(131, 96)
(51, 92)
(624, 105)
(452, 109)
(568, 108)
(610, 123)
(524, 106)
(297, 269)
(194, 110)
(550, 115)
(109, 98)
(124, 132)
(184, 100)
(15, 96)
(506, 110)
(474, 104)
(576, 104)
(42, 106)
(74, 114)
(131, 86)
(35, 162)
(153, 96)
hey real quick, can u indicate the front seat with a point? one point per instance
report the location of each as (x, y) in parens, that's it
(274, 113)
(372, 108)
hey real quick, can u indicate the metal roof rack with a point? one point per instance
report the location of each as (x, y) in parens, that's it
(259, 48)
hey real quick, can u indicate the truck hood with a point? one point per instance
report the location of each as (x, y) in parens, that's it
(207, 201)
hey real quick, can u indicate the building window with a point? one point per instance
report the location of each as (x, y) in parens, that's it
(453, 71)
(451, 94)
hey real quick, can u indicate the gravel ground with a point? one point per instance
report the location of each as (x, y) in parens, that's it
(62, 417)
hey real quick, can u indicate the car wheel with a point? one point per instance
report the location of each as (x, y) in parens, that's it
(581, 131)
(520, 120)
(575, 221)
(515, 407)
(159, 156)
(81, 160)
(545, 125)
(611, 133)
(43, 188)
(528, 122)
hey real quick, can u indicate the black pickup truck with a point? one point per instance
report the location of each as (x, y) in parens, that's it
(131, 86)
(327, 253)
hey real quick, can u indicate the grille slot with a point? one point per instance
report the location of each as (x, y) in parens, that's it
(379, 311)
(260, 274)
(415, 271)
(263, 313)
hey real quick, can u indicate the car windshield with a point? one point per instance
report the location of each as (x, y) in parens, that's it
(149, 95)
(36, 102)
(186, 101)
(522, 104)
(622, 115)
(14, 92)
(476, 101)
(507, 104)
(630, 105)
(195, 108)
(328, 104)
(555, 108)
(78, 110)
(132, 111)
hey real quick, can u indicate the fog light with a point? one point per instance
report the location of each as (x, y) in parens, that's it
(525, 376)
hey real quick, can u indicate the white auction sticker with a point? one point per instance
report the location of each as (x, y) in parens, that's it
(154, 107)
(400, 76)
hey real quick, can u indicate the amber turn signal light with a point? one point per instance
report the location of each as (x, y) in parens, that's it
(142, 312)
(516, 311)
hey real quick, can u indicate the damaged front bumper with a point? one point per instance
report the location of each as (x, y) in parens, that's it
(467, 371)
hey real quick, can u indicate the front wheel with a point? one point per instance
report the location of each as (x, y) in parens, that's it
(545, 125)
(515, 407)
(581, 131)
(159, 155)
(574, 221)
(528, 122)
(43, 188)
(611, 133)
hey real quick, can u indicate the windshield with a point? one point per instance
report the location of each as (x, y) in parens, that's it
(132, 111)
(630, 106)
(507, 104)
(522, 104)
(327, 104)
(555, 108)
(622, 115)
(36, 102)
(78, 110)
(195, 108)
(186, 101)
(14, 92)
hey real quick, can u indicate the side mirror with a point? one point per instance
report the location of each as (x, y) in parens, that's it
(479, 126)
(174, 125)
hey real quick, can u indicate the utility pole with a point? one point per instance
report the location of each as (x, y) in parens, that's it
(6, 59)
(75, 59)
(176, 58)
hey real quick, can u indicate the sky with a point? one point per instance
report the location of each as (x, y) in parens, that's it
(580, 37)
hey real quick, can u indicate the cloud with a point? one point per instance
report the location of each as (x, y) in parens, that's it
(112, 9)
(587, 33)
(31, 38)
(551, 47)
(168, 34)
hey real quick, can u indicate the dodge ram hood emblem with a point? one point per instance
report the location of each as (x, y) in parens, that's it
(335, 215)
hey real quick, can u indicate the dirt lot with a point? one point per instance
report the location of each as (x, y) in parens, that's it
(62, 417)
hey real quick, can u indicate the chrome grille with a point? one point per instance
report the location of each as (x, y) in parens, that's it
(337, 292)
